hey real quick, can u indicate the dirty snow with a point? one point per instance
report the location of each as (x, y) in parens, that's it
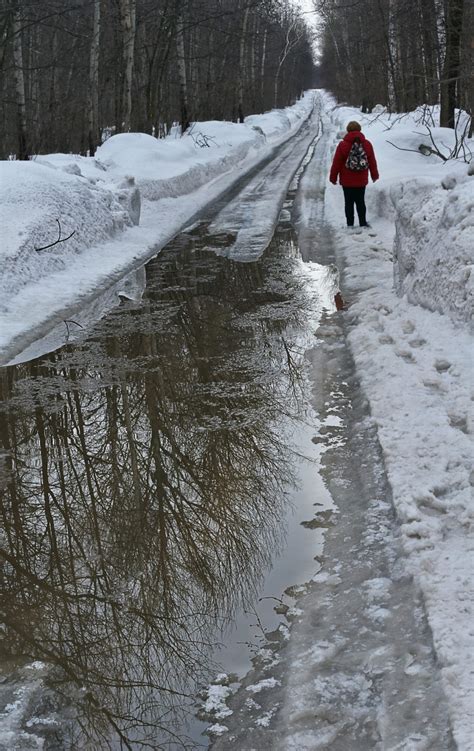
(255, 688)
(217, 729)
(264, 720)
(12, 734)
(215, 703)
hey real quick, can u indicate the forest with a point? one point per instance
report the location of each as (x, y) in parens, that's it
(74, 72)
(399, 53)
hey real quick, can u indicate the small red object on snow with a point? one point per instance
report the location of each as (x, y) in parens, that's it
(339, 301)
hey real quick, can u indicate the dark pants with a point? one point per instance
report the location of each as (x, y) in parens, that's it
(354, 196)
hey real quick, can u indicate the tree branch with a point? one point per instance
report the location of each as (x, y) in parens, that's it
(59, 240)
(422, 149)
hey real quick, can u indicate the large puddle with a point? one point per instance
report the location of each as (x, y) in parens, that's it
(154, 476)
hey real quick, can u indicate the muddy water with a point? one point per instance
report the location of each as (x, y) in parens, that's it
(148, 476)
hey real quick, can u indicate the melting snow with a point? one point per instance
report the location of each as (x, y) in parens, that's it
(255, 688)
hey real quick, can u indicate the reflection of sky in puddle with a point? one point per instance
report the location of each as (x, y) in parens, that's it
(295, 565)
(332, 420)
(148, 473)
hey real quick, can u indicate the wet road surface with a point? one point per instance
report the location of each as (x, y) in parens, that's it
(147, 473)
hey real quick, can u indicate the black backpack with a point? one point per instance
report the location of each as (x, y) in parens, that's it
(357, 158)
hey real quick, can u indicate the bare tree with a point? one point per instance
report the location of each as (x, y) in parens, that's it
(181, 61)
(292, 37)
(94, 136)
(395, 52)
(71, 71)
(128, 21)
(19, 84)
(240, 101)
(452, 63)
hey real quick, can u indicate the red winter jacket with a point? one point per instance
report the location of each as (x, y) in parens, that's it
(350, 178)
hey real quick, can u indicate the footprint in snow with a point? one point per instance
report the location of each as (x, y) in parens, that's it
(460, 422)
(434, 384)
(431, 506)
(417, 342)
(407, 356)
(442, 365)
(385, 339)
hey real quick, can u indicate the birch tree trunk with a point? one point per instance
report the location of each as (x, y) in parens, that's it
(284, 54)
(262, 65)
(389, 36)
(128, 19)
(19, 87)
(52, 131)
(183, 85)
(94, 137)
(240, 104)
(253, 61)
(431, 49)
(469, 67)
(452, 63)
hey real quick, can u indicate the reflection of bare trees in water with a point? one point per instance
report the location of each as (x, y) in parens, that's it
(146, 472)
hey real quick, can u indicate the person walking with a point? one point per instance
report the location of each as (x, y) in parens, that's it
(353, 160)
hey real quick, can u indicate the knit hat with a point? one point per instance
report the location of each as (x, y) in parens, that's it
(353, 125)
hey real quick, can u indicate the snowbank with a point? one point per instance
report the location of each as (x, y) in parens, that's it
(134, 178)
(175, 166)
(434, 243)
(427, 201)
(415, 364)
(33, 198)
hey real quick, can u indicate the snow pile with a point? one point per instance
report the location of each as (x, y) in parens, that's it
(33, 198)
(434, 244)
(217, 729)
(277, 122)
(175, 166)
(97, 199)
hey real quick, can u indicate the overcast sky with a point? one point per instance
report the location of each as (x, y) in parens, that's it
(310, 15)
(307, 7)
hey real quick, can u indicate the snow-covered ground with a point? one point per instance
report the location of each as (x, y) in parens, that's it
(409, 286)
(134, 179)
